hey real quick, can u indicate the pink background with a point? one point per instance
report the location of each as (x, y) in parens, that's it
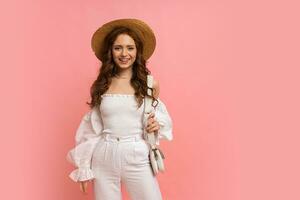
(228, 72)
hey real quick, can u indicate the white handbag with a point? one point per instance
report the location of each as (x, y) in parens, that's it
(156, 156)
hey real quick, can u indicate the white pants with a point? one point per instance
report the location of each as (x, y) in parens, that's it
(125, 159)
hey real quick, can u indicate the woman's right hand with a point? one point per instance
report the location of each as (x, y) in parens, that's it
(83, 186)
(152, 125)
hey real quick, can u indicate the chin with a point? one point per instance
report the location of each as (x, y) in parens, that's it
(125, 66)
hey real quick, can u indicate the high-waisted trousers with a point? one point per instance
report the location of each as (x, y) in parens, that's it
(123, 159)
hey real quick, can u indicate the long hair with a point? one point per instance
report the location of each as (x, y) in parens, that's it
(109, 69)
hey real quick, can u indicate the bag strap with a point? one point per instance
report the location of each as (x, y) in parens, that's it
(148, 108)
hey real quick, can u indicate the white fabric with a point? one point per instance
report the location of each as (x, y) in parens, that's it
(124, 160)
(91, 129)
(121, 115)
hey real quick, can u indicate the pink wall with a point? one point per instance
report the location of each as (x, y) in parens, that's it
(229, 74)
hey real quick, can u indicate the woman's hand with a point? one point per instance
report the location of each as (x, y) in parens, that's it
(83, 186)
(152, 124)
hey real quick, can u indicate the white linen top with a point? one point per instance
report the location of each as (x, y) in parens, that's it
(121, 115)
(107, 119)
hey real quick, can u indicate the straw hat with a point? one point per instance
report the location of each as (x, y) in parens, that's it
(144, 32)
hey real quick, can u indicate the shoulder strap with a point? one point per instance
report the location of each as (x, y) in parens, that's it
(150, 138)
(150, 81)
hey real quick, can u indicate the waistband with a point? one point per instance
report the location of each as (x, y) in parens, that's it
(127, 138)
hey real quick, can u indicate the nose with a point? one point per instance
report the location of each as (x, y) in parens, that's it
(124, 52)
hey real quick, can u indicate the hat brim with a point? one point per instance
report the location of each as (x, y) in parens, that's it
(144, 32)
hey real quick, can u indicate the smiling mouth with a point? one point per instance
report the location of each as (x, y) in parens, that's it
(124, 61)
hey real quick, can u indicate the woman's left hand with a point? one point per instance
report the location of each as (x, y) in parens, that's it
(152, 124)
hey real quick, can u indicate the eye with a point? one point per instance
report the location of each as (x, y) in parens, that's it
(131, 48)
(116, 48)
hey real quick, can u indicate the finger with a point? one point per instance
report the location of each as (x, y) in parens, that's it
(151, 115)
(149, 130)
(151, 125)
(150, 121)
(154, 129)
(81, 186)
(85, 186)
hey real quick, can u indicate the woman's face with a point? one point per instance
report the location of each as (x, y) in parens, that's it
(124, 51)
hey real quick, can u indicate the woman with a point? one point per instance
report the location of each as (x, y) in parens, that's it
(110, 147)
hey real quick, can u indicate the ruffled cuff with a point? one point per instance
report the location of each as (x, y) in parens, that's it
(165, 122)
(164, 133)
(81, 174)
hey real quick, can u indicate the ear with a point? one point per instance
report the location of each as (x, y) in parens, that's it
(155, 88)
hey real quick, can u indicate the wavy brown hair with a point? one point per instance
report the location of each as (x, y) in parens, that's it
(109, 69)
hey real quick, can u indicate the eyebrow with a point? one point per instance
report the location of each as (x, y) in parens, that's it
(118, 45)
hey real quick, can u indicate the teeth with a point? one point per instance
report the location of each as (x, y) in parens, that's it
(124, 60)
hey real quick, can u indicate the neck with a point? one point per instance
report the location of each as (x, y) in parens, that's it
(124, 73)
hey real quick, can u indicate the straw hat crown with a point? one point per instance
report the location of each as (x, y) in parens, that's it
(144, 32)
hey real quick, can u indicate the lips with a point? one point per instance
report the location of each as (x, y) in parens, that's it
(123, 60)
